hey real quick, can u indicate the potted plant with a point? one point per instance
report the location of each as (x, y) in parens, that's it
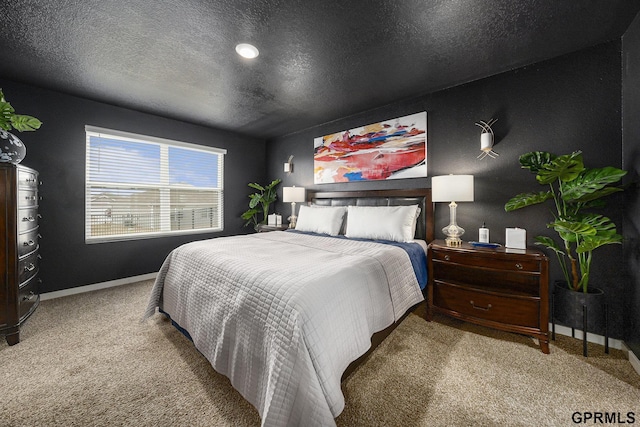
(12, 150)
(259, 203)
(574, 190)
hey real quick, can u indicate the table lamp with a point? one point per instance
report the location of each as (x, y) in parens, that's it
(293, 195)
(452, 188)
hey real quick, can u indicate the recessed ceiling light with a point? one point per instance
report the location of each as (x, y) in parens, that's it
(247, 51)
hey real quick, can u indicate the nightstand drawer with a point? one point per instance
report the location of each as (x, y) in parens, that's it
(487, 259)
(488, 279)
(263, 228)
(487, 306)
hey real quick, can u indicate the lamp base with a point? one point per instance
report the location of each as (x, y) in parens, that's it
(293, 218)
(453, 231)
(453, 241)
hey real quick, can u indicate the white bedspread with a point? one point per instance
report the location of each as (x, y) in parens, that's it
(283, 314)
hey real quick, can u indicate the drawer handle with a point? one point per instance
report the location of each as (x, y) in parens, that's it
(29, 267)
(480, 308)
(447, 258)
(519, 266)
(29, 297)
(29, 243)
(29, 218)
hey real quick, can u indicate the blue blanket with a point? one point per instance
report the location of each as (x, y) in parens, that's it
(414, 250)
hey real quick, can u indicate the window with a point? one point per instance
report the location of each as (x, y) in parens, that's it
(139, 186)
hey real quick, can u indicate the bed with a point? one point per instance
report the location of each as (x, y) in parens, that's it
(287, 315)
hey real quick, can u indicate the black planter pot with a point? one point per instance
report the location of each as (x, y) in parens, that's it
(568, 308)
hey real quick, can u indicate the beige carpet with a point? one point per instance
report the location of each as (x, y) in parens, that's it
(86, 360)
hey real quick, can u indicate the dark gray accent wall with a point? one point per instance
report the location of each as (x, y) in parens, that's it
(57, 151)
(631, 162)
(565, 104)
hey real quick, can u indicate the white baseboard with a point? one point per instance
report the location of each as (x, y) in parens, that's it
(96, 286)
(635, 362)
(599, 339)
(594, 338)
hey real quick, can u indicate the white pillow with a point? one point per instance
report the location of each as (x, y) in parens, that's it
(323, 220)
(396, 223)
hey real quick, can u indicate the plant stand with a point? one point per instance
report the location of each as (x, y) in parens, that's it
(585, 314)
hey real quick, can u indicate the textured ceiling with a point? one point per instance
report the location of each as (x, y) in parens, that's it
(319, 59)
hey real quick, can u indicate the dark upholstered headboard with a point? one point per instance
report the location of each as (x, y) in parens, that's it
(419, 196)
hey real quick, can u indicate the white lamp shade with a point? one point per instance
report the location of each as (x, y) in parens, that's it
(293, 194)
(452, 188)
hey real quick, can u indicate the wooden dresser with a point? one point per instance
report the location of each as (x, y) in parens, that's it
(507, 289)
(19, 258)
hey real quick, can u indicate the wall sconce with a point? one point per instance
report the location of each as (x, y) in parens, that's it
(452, 188)
(288, 166)
(486, 139)
(293, 195)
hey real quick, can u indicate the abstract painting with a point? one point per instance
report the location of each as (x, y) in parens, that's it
(392, 149)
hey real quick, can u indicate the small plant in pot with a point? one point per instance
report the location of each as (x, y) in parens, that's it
(259, 203)
(12, 150)
(574, 190)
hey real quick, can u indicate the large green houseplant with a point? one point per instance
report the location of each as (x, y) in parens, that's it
(10, 120)
(574, 189)
(259, 203)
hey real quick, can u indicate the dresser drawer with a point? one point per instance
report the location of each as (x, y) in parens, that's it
(28, 242)
(506, 309)
(28, 267)
(28, 297)
(488, 260)
(27, 219)
(27, 178)
(27, 198)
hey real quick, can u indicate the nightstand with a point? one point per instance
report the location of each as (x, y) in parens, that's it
(263, 228)
(502, 288)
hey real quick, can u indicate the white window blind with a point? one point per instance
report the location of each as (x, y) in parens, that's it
(139, 187)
